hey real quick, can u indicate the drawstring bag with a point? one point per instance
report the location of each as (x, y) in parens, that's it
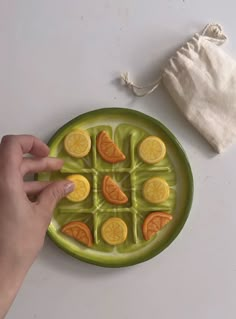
(201, 78)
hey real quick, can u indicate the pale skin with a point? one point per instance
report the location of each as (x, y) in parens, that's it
(23, 223)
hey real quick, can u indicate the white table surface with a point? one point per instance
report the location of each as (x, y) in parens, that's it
(60, 58)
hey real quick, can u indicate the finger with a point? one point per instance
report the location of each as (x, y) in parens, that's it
(52, 194)
(45, 164)
(34, 188)
(14, 146)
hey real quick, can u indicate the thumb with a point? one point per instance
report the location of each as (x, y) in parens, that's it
(53, 193)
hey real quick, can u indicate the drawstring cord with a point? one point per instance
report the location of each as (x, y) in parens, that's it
(213, 31)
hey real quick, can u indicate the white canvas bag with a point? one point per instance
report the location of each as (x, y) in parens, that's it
(201, 78)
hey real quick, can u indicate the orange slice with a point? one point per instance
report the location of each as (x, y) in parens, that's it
(79, 231)
(114, 231)
(108, 150)
(112, 192)
(82, 188)
(156, 190)
(77, 143)
(152, 150)
(155, 222)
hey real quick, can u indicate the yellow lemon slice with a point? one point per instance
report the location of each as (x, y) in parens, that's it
(152, 150)
(77, 143)
(114, 231)
(82, 188)
(156, 190)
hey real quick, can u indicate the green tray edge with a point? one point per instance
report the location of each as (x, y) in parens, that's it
(183, 155)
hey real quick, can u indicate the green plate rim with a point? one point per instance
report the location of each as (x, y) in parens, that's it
(184, 157)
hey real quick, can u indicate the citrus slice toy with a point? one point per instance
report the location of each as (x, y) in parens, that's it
(79, 231)
(155, 222)
(152, 150)
(81, 190)
(77, 143)
(112, 192)
(156, 190)
(114, 231)
(107, 149)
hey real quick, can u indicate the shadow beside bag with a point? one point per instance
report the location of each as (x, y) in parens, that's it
(201, 78)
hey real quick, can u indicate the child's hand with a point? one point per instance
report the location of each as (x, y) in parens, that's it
(23, 224)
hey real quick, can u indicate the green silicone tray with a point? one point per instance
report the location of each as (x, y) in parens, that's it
(127, 128)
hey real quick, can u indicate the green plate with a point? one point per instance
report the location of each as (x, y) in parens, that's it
(127, 128)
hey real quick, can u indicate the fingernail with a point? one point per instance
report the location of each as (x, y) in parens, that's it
(69, 187)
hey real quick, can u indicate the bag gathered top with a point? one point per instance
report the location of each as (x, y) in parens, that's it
(201, 78)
